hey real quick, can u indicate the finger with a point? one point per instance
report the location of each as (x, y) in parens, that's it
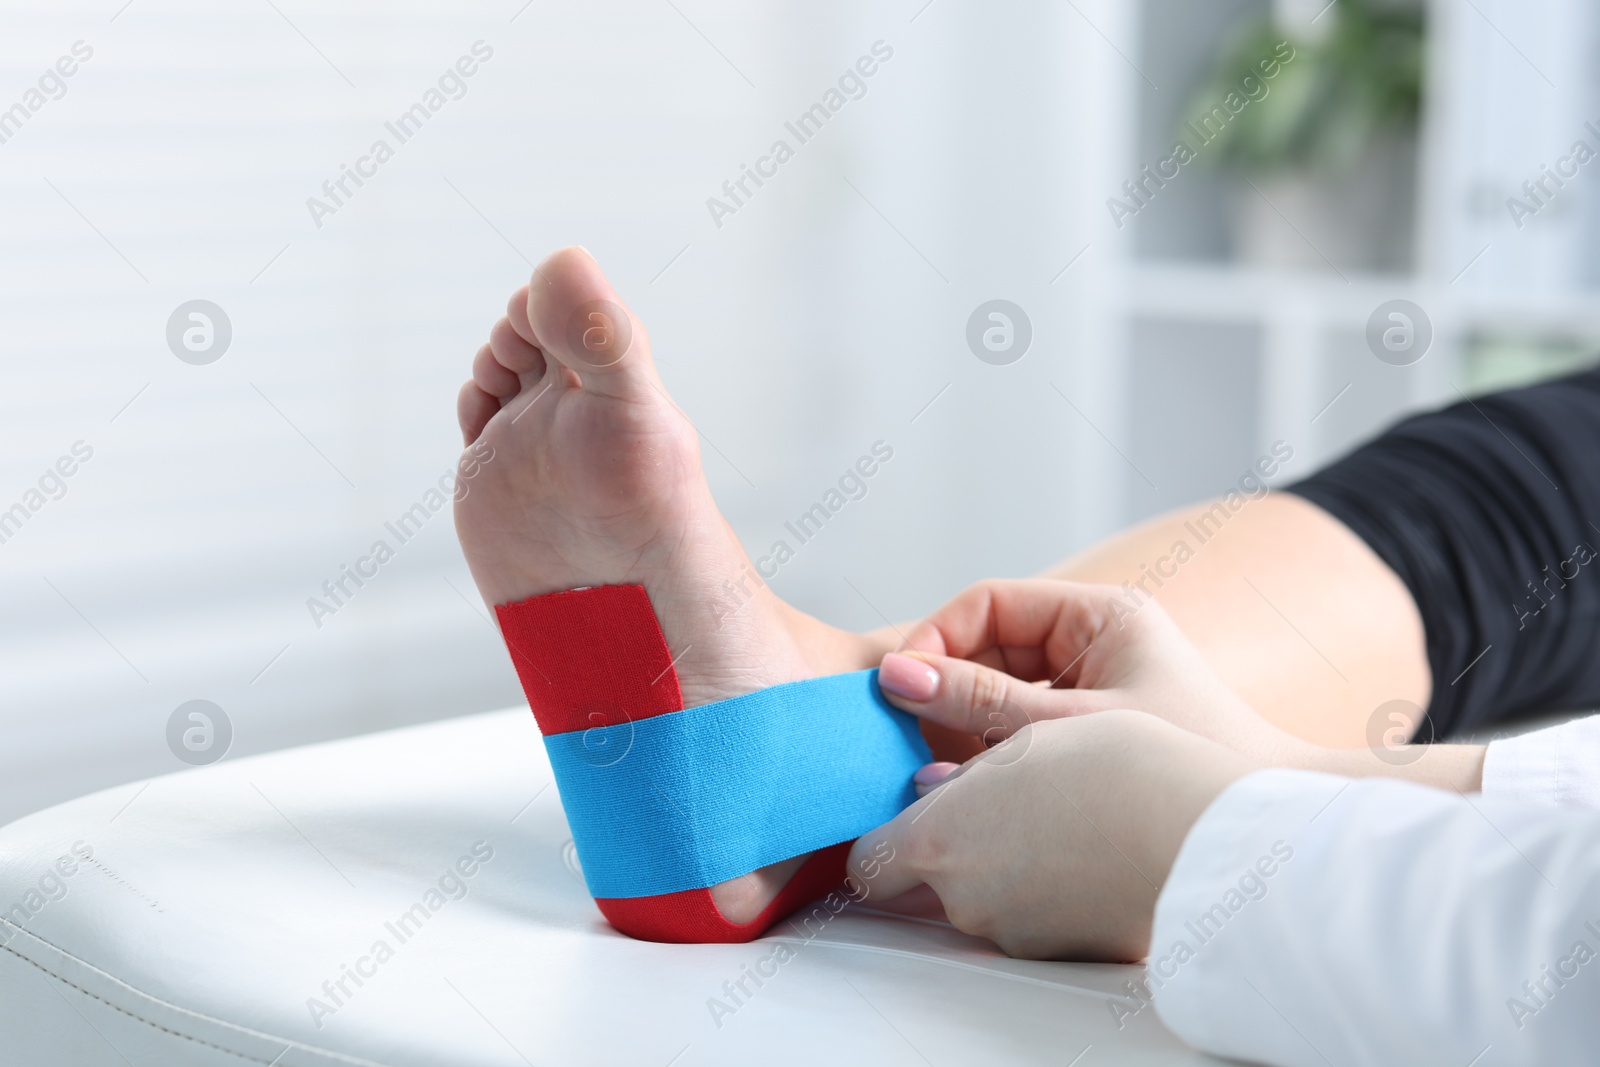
(515, 354)
(1036, 629)
(903, 853)
(490, 375)
(975, 699)
(952, 745)
(932, 775)
(925, 637)
(881, 864)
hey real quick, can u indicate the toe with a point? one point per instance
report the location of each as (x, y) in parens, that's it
(577, 318)
(492, 376)
(515, 354)
(474, 409)
(517, 315)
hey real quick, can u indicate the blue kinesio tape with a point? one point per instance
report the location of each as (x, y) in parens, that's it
(692, 798)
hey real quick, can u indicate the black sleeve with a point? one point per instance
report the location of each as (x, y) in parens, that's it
(1487, 510)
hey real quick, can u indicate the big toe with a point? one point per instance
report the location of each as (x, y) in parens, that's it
(578, 318)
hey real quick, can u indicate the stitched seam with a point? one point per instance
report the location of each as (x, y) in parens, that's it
(129, 1014)
(326, 1054)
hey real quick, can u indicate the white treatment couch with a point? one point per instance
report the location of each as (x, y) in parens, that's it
(215, 903)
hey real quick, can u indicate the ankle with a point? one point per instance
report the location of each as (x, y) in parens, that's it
(830, 650)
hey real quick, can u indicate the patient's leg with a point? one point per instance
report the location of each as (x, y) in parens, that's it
(1289, 606)
(1482, 520)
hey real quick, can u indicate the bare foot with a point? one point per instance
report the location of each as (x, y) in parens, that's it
(596, 480)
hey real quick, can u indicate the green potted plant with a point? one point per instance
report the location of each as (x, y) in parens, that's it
(1330, 142)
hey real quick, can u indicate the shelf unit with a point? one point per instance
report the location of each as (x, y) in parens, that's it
(1492, 117)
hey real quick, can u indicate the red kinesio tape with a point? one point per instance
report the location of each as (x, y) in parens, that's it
(596, 657)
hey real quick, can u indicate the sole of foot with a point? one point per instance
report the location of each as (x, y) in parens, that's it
(596, 480)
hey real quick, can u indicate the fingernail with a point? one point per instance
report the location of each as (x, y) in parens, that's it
(934, 773)
(907, 677)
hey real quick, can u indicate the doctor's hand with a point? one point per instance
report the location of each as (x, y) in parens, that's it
(1005, 653)
(1056, 843)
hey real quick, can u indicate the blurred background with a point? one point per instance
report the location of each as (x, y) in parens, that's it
(1185, 313)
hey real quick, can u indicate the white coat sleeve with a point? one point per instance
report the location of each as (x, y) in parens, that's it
(1557, 765)
(1314, 920)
